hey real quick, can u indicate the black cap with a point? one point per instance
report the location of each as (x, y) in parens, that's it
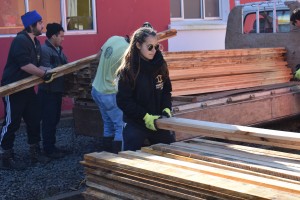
(147, 24)
(53, 29)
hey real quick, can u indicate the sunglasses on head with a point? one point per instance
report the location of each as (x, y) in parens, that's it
(151, 46)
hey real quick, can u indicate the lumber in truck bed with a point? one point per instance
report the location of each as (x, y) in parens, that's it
(250, 106)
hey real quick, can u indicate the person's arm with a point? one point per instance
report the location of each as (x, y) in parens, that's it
(34, 70)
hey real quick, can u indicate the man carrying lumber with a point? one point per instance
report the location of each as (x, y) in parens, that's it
(50, 94)
(23, 61)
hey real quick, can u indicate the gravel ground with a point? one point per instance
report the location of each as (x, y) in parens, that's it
(57, 177)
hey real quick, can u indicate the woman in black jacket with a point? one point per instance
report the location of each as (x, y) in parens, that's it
(144, 91)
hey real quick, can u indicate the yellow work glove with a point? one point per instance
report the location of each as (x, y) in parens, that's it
(48, 76)
(150, 121)
(167, 112)
(297, 74)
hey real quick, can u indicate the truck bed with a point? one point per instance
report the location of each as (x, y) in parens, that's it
(250, 106)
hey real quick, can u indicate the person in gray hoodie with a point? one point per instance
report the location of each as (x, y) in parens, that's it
(50, 94)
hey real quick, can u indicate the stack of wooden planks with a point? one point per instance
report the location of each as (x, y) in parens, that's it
(197, 72)
(199, 168)
(79, 84)
(195, 169)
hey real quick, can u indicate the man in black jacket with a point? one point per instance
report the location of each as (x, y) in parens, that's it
(50, 94)
(23, 61)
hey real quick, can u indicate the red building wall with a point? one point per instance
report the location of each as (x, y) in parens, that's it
(114, 17)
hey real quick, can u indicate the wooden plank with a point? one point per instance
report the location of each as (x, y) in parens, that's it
(226, 53)
(202, 61)
(206, 85)
(256, 135)
(212, 64)
(164, 35)
(205, 73)
(278, 163)
(252, 150)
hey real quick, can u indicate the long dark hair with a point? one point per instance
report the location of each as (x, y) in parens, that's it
(129, 69)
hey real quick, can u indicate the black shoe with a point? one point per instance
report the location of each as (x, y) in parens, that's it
(36, 155)
(116, 146)
(107, 144)
(56, 153)
(12, 164)
(8, 161)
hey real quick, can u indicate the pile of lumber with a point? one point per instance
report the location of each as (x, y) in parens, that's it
(196, 72)
(79, 84)
(195, 169)
(199, 168)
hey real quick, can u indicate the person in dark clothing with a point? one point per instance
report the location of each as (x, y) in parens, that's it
(144, 91)
(50, 94)
(104, 91)
(23, 61)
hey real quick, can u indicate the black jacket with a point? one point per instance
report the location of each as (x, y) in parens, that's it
(151, 94)
(22, 52)
(52, 58)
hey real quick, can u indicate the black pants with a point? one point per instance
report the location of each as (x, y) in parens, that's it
(50, 103)
(23, 104)
(134, 137)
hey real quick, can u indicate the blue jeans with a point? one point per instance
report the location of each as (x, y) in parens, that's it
(112, 116)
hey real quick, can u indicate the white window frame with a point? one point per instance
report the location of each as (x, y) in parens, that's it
(78, 32)
(64, 20)
(220, 22)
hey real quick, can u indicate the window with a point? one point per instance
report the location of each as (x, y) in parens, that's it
(10, 17)
(79, 14)
(266, 22)
(195, 9)
(76, 16)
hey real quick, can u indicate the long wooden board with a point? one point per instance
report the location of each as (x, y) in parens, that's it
(232, 132)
